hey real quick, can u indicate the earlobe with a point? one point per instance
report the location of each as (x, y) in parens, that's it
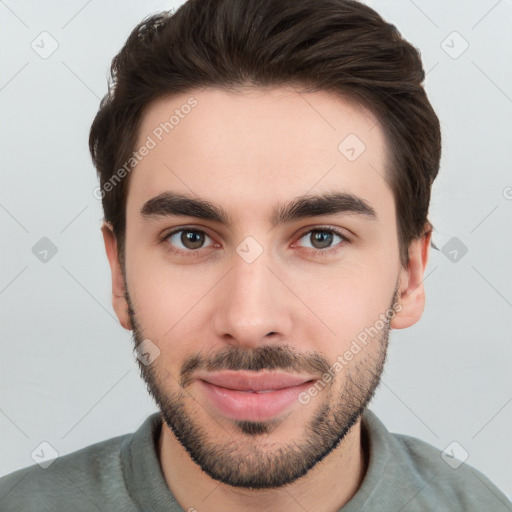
(118, 289)
(412, 292)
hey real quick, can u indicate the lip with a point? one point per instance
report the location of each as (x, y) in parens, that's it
(254, 381)
(239, 396)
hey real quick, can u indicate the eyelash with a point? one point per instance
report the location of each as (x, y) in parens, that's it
(315, 252)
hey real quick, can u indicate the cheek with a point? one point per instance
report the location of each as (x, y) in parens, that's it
(169, 305)
(157, 304)
(343, 302)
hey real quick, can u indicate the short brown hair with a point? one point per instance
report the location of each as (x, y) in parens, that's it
(340, 46)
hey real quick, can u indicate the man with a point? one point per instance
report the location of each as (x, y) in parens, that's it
(265, 171)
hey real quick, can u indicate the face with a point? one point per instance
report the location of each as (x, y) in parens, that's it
(270, 251)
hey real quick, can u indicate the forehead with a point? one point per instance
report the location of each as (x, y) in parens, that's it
(258, 145)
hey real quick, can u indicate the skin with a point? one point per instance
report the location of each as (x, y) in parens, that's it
(249, 152)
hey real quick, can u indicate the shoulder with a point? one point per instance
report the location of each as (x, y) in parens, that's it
(446, 481)
(86, 479)
(408, 474)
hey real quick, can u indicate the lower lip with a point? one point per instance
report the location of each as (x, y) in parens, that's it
(241, 405)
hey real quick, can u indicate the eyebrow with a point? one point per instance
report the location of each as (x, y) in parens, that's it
(169, 204)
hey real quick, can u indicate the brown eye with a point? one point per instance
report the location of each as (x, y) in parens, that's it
(192, 239)
(323, 239)
(187, 239)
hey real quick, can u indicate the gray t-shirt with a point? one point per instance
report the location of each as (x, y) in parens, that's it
(123, 473)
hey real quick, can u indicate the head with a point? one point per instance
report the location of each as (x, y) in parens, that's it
(265, 126)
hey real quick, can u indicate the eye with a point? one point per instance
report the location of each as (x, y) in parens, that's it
(185, 240)
(323, 240)
(189, 241)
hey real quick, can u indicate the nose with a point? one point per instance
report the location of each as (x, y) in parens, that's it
(252, 303)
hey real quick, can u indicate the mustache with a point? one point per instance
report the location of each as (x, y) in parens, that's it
(266, 357)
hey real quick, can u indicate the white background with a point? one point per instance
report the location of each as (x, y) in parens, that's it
(68, 374)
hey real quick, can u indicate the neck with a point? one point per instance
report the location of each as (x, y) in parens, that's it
(327, 487)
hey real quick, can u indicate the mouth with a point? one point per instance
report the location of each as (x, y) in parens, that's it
(253, 396)
(252, 391)
(255, 382)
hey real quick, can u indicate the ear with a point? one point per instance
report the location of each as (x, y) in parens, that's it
(118, 290)
(412, 293)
